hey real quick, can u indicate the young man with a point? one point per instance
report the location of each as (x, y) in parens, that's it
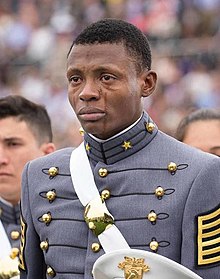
(201, 129)
(25, 134)
(162, 195)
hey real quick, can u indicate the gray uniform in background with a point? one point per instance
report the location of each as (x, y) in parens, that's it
(172, 212)
(10, 218)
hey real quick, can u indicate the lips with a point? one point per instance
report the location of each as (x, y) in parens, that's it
(90, 114)
(5, 177)
(5, 174)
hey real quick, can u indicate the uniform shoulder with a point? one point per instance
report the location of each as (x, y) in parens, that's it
(181, 150)
(57, 156)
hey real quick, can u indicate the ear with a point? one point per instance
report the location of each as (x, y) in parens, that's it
(149, 79)
(47, 148)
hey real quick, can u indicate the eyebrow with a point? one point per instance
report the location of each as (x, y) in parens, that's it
(7, 139)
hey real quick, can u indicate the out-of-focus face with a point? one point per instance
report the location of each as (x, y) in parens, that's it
(104, 88)
(17, 146)
(204, 135)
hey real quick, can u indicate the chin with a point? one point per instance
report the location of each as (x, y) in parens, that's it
(94, 129)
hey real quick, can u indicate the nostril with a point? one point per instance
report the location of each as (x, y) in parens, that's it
(89, 96)
(88, 99)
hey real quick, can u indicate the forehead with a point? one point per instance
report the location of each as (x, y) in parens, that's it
(11, 127)
(205, 131)
(99, 53)
(208, 126)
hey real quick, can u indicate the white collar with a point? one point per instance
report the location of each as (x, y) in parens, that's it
(125, 130)
(6, 202)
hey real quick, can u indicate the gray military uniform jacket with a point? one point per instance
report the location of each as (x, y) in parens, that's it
(10, 218)
(157, 207)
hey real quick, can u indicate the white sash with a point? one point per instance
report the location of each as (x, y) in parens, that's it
(84, 184)
(5, 246)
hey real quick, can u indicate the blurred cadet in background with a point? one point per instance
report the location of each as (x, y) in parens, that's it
(25, 133)
(201, 129)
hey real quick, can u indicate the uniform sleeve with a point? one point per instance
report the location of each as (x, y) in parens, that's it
(31, 258)
(201, 222)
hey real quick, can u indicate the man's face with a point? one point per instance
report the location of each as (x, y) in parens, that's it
(17, 146)
(204, 135)
(104, 88)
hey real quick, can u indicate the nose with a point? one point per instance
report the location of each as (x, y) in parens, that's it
(90, 92)
(4, 159)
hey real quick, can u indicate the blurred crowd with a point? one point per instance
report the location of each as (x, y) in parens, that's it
(35, 36)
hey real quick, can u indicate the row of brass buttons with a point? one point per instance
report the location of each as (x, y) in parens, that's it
(103, 172)
(172, 167)
(47, 217)
(95, 247)
(159, 192)
(153, 246)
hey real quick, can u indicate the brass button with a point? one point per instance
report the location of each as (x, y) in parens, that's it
(159, 192)
(15, 235)
(53, 171)
(172, 167)
(152, 216)
(50, 271)
(154, 245)
(95, 247)
(150, 127)
(103, 172)
(44, 245)
(14, 253)
(81, 131)
(88, 147)
(47, 218)
(105, 194)
(51, 195)
(91, 225)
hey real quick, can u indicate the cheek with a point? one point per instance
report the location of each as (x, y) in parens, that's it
(70, 95)
(23, 160)
(72, 99)
(133, 86)
(35, 153)
(127, 102)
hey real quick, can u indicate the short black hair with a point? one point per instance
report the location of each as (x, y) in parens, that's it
(202, 114)
(117, 31)
(35, 116)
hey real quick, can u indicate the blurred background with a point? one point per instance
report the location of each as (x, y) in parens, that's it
(35, 36)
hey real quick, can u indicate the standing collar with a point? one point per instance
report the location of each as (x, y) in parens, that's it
(8, 213)
(123, 145)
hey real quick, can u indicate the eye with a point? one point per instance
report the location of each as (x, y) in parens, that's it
(107, 77)
(13, 144)
(74, 79)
